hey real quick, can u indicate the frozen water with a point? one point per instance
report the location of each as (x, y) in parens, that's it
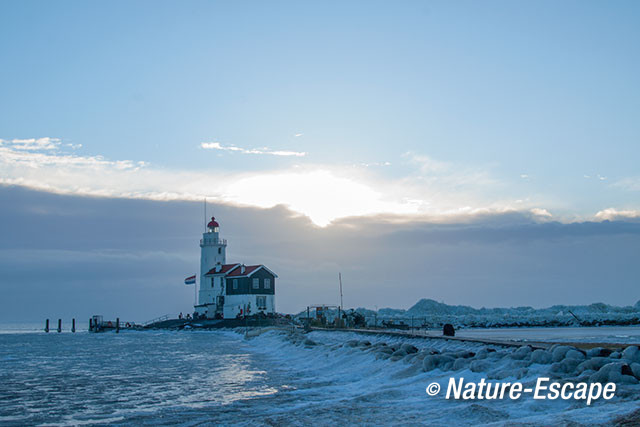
(218, 377)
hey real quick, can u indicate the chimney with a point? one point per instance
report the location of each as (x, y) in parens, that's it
(218, 268)
(242, 269)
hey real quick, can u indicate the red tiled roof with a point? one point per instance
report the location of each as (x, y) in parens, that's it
(226, 268)
(247, 271)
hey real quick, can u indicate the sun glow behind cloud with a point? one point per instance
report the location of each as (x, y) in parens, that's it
(434, 190)
(321, 194)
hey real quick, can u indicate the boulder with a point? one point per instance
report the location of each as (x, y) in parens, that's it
(410, 349)
(364, 343)
(574, 354)
(522, 352)
(559, 352)
(480, 365)
(309, 343)
(631, 353)
(635, 370)
(566, 366)
(440, 361)
(385, 350)
(463, 354)
(617, 372)
(352, 343)
(461, 364)
(541, 357)
(598, 352)
(399, 352)
(594, 364)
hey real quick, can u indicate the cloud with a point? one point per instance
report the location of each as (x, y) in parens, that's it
(541, 213)
(217, 146)
(427, 190)
(373, 164)
(426, 163)
(143, 249)
(612, 214)
(32, 144)
(297, 135)
(629, 184)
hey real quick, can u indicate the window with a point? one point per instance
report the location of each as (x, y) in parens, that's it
(256, 283)
(219, 251)
(261, 302)
(267, 283)
(235, 283)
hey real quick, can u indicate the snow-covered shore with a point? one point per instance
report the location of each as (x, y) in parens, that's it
(432, 314)
(392, 372)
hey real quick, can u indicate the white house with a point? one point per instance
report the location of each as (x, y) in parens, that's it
(231, 290)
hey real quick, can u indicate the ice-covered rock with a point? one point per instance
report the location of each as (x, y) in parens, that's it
(522, 352)
(460, 354)
(441, 361)
(409, 348)
(480, 365)
(501, 374)
(399, 352)
(461, 363)
(541, 357)
(594, 364)
(618, 372)
(559, 352)
(566, 366)
(574, 354)
(598, 352)
(631, 353)
(385, 350)
(635, 369)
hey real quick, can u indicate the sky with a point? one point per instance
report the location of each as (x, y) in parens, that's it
(366, 115)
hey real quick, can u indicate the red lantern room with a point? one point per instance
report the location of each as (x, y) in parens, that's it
(213, 225)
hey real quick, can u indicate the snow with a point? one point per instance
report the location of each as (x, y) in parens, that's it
(350, 367)
(433, 314)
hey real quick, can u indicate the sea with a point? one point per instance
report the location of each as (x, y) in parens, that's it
(196, 378)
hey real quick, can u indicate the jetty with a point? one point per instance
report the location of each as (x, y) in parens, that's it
(433, 334)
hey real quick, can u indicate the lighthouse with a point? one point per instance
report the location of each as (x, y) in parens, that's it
(213, 254)
(229, 291)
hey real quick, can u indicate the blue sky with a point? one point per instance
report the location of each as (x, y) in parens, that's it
(425, 113)
(506, 105)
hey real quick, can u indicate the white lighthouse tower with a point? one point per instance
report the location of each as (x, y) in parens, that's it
(213, 252)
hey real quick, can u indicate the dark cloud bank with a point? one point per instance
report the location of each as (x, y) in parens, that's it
(64, 256)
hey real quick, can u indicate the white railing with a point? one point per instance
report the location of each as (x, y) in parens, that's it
(157, 319)
(213, 241)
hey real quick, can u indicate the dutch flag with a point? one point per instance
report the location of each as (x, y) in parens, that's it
(191, 280)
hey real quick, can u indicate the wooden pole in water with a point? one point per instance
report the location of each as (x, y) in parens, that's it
(59, 325)
(90, 324)
(73, 325)
(340, 279)
(117, 325)
(46, 326)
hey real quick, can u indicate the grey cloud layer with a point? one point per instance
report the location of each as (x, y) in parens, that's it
(73, 256)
